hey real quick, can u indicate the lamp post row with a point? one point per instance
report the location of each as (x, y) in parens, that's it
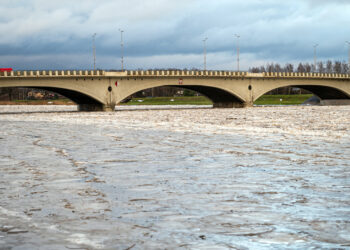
(122, 47)
(237, 36)
(205, 51)
(94, 49)
(348, 55)
(315, 56)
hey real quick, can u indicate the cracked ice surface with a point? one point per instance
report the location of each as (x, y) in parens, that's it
(271, 177)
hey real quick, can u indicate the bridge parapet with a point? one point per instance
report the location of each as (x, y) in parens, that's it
(303, 75)
(170, 73)
(52, 73)
(232, 74)
(183, 73)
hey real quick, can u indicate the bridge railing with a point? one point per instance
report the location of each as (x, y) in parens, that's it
(168, 73)
(305, 75)
(185, 73)
(196, 73)
(51, 73)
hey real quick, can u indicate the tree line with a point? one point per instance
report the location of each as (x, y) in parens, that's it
(337, 67)
(329, 66)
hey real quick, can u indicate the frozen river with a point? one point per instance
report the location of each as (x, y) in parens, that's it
(255, 178)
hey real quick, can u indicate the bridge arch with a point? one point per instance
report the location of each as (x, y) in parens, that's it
(221, 96)
(326, 91)
(87, 98)
(85, 102)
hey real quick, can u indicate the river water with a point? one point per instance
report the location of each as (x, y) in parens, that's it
(254, 178)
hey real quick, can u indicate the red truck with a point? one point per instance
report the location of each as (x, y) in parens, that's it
(6, 69)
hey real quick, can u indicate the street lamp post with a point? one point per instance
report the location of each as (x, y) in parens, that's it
(94, 49)
(315, 57)
(237, 36)
(122, 47)
(348, 56)
(205, 53)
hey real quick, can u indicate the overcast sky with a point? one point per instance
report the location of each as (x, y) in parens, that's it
(50, 34)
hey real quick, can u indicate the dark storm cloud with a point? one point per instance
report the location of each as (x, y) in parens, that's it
(161, 32)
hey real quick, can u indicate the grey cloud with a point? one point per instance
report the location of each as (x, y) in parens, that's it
(270, 30)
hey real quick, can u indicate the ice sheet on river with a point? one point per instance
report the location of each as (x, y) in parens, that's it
(193, 178)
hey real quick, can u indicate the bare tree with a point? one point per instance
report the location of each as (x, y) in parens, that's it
(345, 68)
(321, 68)
(308, 67)
(262, 69)
(301, 68)
(289, 68)
(270, 67)
(278, 68)
(337, 67)
(254, 70)
(329, 67)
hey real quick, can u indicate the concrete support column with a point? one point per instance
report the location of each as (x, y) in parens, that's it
(335, 102)
(231, 105)
(96, 107)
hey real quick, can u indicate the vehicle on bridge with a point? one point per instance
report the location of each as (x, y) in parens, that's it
(6, 69)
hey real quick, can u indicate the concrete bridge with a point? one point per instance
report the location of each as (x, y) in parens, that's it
(102, 90)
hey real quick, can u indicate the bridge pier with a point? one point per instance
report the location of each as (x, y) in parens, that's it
(335, 102)
(231, 105)
(96, 107)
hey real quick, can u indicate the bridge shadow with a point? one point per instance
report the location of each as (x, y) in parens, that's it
(161, 107)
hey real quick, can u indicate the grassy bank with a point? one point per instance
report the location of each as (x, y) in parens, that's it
(38, 102)
(282, 99)
(181, 100)
(201, 100)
